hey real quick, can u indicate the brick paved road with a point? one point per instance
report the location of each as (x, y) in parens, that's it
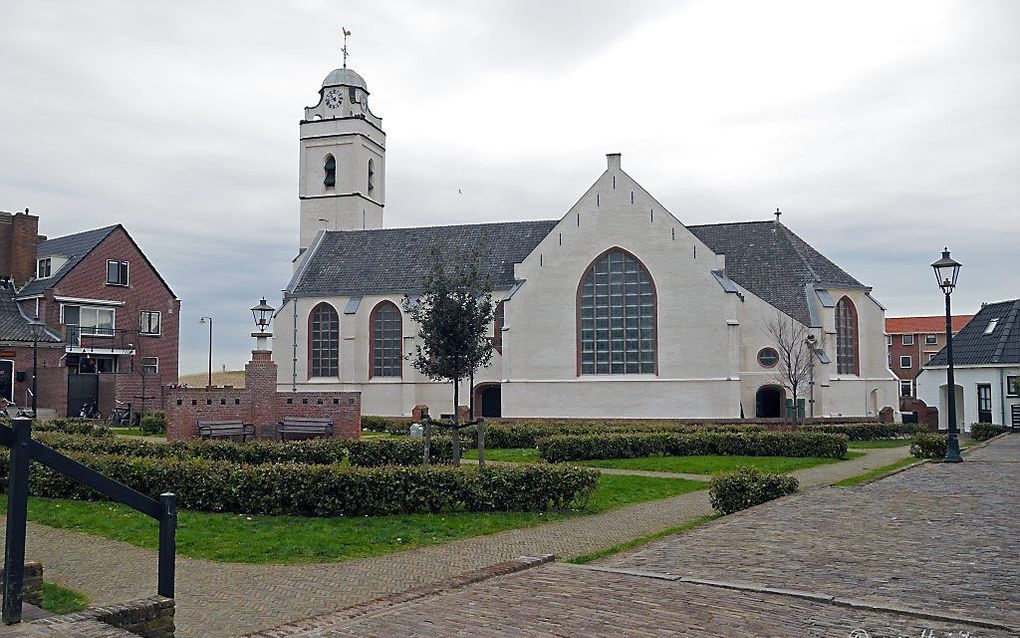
(929, 552)
(225, 599)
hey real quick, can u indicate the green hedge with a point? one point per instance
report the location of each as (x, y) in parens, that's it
(748, 487)
(527, 435)
(985, 431)
(75, 426)
(153, 423)
(928, 445)
(326, 490)
(620, 446)
(868, 431)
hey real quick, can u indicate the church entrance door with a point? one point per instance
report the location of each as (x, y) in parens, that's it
(769, 402)
(490, 400)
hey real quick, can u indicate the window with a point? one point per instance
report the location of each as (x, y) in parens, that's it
(931, 355)
(768, 357)
(149, 323)
(991, 326)
(906, 389)
(386, 354)
(44, 268)
(1013, 386)
(371, 175)
(888, 340)
(616, 316)
(906, 362)
(329, 170)
(931, 340)
(116, 272)
(498, 320)
(907, 340)
(89, 320)
(846, 337)
(150, 365)
(324, 341)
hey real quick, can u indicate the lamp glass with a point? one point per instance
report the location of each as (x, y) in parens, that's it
(263, 314)
(947, 270)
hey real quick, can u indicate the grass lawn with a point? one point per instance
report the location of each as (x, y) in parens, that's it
(879, 443)
(295, 539)
(511, 454)
(61, 600)
(878, 471)
(714, 464)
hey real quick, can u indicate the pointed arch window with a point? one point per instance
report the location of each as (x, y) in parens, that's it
(847, 356)
(386, 355)
(616, 316)
(371, 175)
(324, 341)
(329, 171)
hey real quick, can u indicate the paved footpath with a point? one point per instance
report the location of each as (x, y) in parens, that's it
(228, 599)
(930, 552)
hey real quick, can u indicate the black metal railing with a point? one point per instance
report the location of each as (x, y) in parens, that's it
(23, 449)
(94, 337)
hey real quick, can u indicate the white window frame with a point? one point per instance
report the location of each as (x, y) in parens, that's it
(909, 384)
(931, 355)
(127, 272)
(907, 340)
(154, 365)
(159, 323)
(39, 268)
(931, 340)
(93, 328)
(1012, 389)
(888, 340)
(908, 359)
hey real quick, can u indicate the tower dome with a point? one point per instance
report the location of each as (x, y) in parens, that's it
(344, 77)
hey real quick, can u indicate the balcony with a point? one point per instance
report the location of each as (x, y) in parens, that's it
(92, 340)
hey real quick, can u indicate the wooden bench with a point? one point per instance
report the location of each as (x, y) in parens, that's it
(304, 427)
(225, 430)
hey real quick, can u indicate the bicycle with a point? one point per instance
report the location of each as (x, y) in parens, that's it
(90, 410)
(122, 416)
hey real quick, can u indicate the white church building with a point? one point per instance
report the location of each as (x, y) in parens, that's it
(614, 310)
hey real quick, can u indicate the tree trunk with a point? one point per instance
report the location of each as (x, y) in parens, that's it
(456, 422)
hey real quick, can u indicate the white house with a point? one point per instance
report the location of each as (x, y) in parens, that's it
(986, 365)
(615, 309)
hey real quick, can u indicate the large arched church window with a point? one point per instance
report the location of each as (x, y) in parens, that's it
(324, 341)
(385, 350)
(329, 171)
(847, 358)
(616, 320)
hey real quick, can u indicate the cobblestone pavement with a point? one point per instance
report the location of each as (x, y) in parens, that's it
(227, 599)
(927, 553)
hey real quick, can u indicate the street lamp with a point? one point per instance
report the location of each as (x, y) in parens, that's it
(37, 327)
(263, 315)
(210, 320)
(946, 272)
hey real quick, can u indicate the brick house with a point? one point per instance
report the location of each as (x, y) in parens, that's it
(913, 342)
(111, 319)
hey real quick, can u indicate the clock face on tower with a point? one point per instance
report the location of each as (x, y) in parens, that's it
(334, 98)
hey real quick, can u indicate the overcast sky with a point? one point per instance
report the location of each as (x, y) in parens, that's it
(883, 130)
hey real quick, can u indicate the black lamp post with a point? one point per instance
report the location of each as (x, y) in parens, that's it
(203, 320)
(263, 315)
(37, 328)
(946, 272)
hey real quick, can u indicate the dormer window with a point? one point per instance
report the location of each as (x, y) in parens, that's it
(44, 268)
(991, 326)
(371, 175)
(329, 170)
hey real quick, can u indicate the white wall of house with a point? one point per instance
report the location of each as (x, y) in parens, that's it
(931, 388)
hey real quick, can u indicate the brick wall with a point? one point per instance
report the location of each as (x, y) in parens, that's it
(31, 585)
(151, 618)
(24, 245)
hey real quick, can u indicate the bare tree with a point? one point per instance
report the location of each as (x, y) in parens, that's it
(795, 354)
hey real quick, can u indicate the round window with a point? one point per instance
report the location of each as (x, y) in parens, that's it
(768, 357)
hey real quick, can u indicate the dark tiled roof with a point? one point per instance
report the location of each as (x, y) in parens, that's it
(772, 262)
(397, 259)
(973, 347)
(14, 326)
(75, 247)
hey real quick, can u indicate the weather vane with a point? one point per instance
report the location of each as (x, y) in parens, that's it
(344, 49)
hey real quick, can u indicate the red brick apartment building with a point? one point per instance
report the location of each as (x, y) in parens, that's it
(913, 342)
(111, 321)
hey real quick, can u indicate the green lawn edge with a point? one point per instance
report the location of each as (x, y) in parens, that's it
(622, 547)
(62, 600)
(875, 473)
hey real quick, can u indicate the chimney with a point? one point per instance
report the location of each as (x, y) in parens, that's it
(613, 159)
(24, 247)
(6, 247)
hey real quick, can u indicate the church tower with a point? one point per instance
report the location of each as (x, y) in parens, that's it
(342, 177)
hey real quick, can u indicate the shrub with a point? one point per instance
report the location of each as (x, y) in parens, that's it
(618, 446)
(748, 487)
(527, 435)
(985, 431)
(326, 490)
(928, 445)
(153, 423)
(75, 426)
(867, 431)
(375, 453)
(383, 424)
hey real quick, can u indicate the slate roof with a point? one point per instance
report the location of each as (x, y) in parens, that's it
(915, 325)
(75, 247)
(14, 326)
(397, 259)
(973, 347)
(771, 261)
